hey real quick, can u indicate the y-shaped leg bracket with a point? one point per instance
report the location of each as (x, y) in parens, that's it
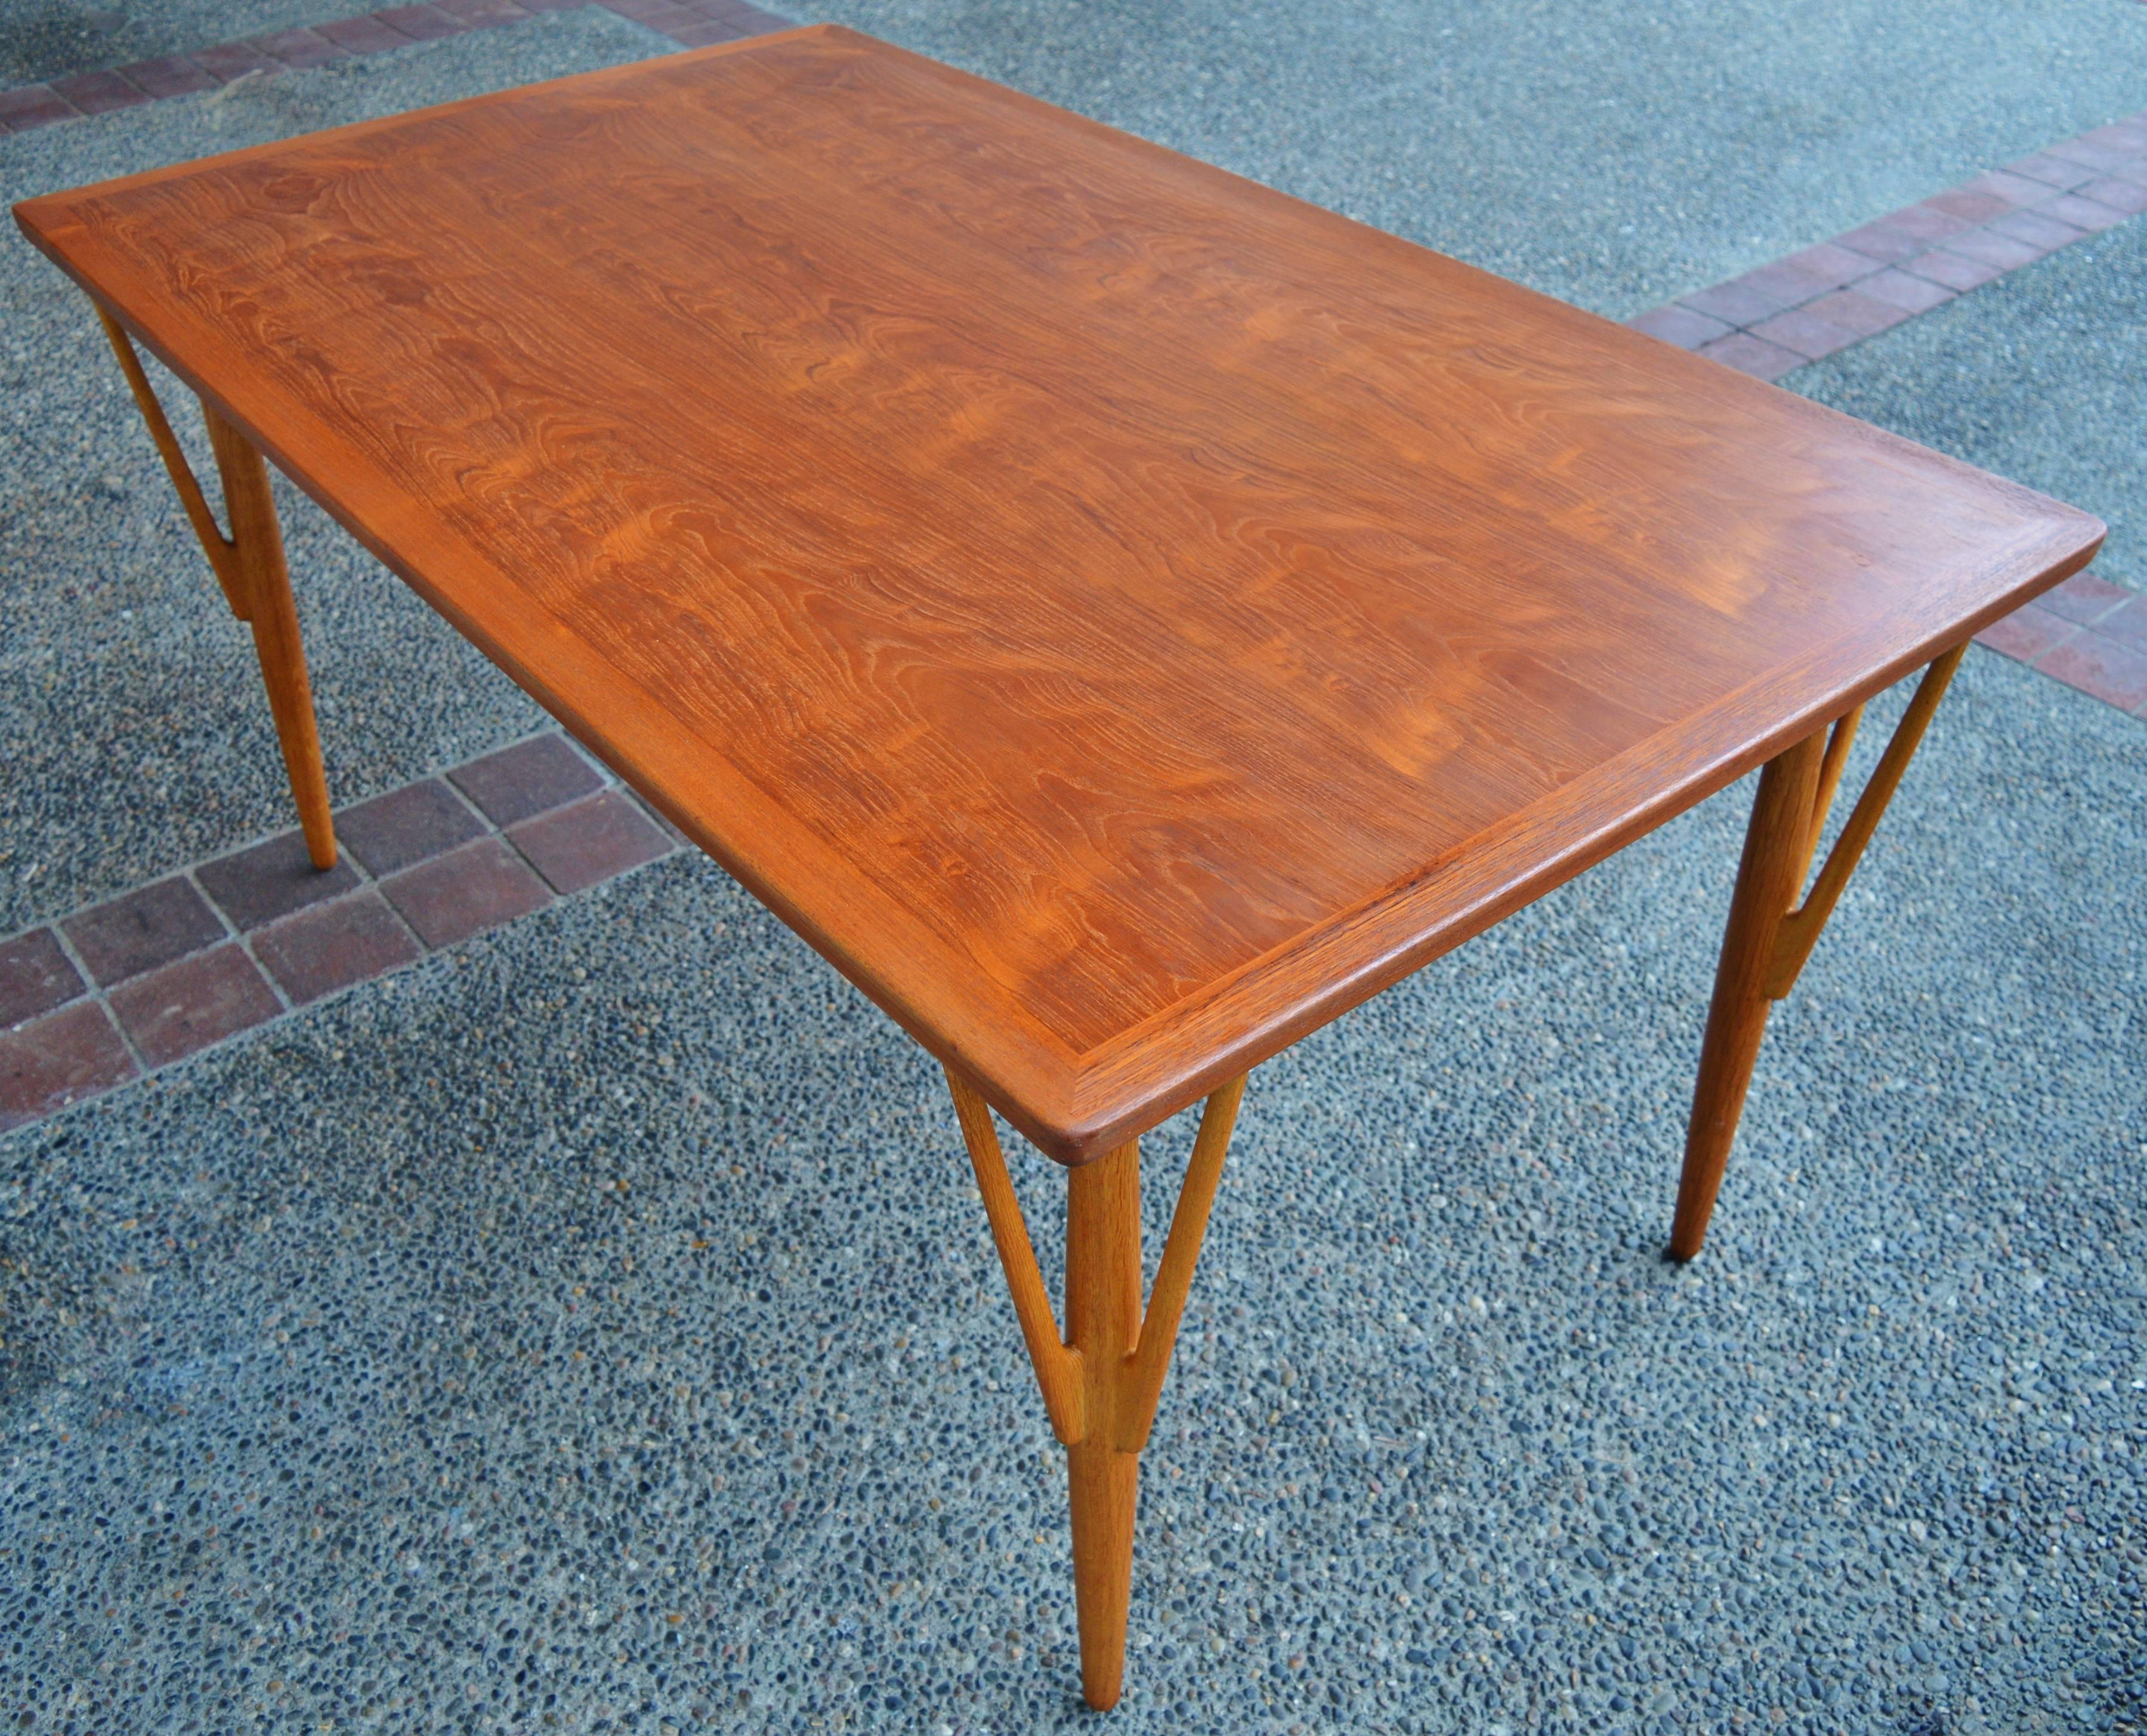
(1768, 940)
(1102, 1382)
(249, 565)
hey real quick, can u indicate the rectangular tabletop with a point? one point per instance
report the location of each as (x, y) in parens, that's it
(1121, 615)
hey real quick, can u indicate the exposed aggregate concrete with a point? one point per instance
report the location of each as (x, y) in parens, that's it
(594, 1329)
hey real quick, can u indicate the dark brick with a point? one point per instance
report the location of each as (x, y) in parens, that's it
(1956, 270)
(1989, 248)
(2027, 633)
(1928, 223)
(590, 841)
(1833, 266)
(270, 880)
(706, 33)
(1898, 290)
(2051, 171)
(227, 61)
(1884, 242)
(172, 1013)
(59, 1059)
(300, 47)
(2115, 673)
(147, 928)
(2127, 624)
(521, 782)
(1752, 355)
(752, 20)
(391, 832)
(367, 33)
(484, 14)
(2083, 597)
(422, 24)
(2130, 196)
(332, 946)
(1805, 332)
(2084, 150)
(1735, 304)
(2013, 190)
(465, 892)
(34, 105)
(35, 977)
(99, 92)
(1973, 204)
(173, 75)
(1866, 315)
(2082, 212)
(1781, 282)
(1687, 327)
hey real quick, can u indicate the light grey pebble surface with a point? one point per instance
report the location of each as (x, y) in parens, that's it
(1613, 155)
(594, 1329)
(138, 735)
(2041, 376)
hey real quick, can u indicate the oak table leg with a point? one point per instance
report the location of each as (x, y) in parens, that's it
(1100, 1383)
(249, 565)
(1770, 935)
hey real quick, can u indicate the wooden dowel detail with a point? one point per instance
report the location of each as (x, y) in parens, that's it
(1799, 931)
(1100, 1386)
(1174, 1275)
(1057, 1369)
(264, 582)
(223, 558)
(1838, 743)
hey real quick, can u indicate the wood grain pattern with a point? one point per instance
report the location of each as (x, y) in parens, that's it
(1122, 615)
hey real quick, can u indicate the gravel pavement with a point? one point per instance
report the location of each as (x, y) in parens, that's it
(1613, 155)
(42, 39)
(593, 1327)
(138, 736)
(2041, 376)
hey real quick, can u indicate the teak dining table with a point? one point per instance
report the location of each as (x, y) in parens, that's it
(1122, 617)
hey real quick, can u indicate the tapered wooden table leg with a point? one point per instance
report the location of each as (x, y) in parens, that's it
(1101, 1382)
(1767, 884)
(265, 579)
(1102, 1325)
(249, 565)
(1771, 935)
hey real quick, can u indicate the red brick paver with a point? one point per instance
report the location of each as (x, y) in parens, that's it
(35, 977)
(421, 868)
(272, 879)
(526, 779)
(141, 929)
(407, 826)
(59, 1059)
(172, 1012)
(465, 892)
(589, 841)
(333, 945)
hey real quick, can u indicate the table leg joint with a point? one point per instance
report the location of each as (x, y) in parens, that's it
(1798, 931)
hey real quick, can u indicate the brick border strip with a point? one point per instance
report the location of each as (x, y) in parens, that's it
(2087, 633)
(122, 989)
(1869, 279)
(690, 23)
